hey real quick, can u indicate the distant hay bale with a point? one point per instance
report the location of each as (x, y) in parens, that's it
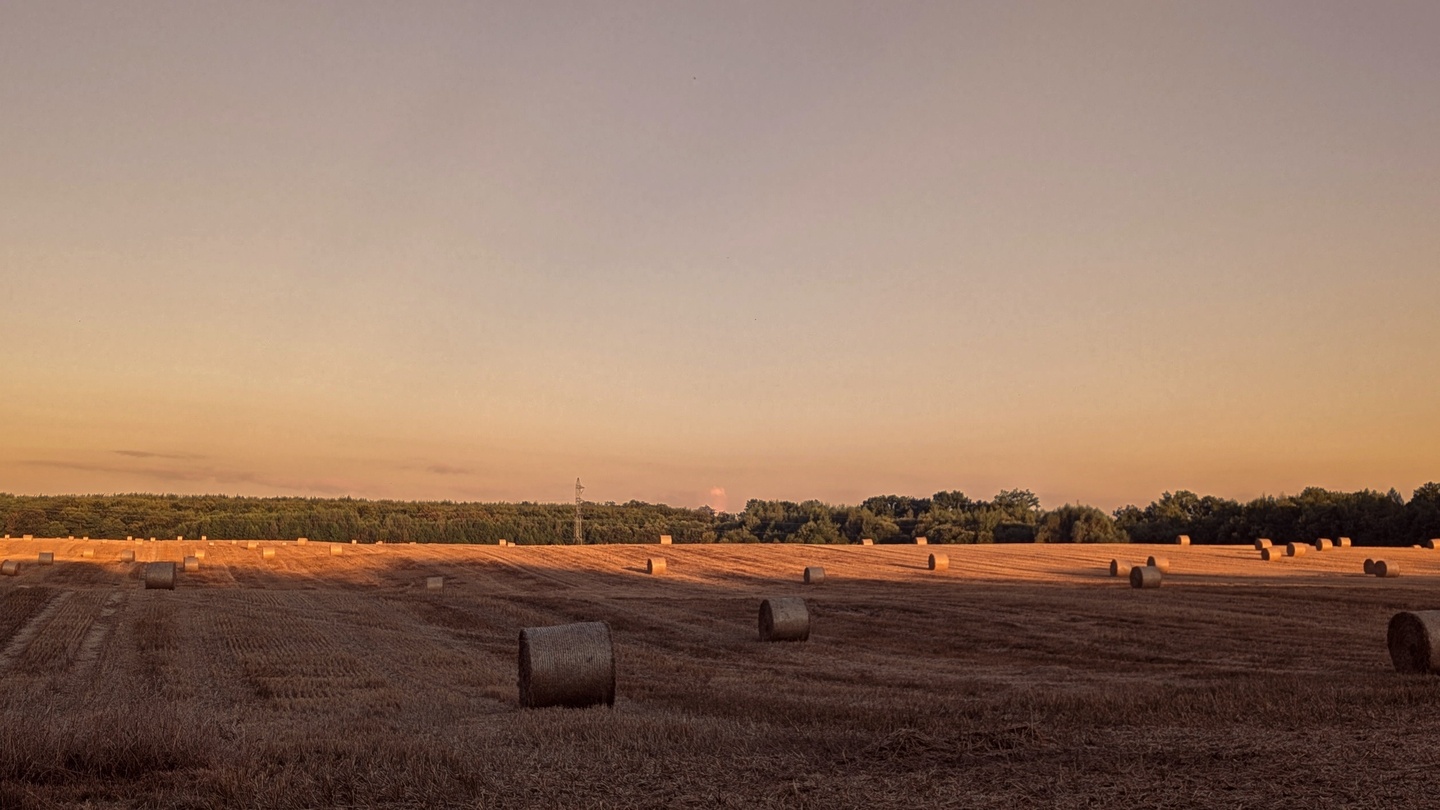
(1182, 540)
(199, 554)
(128, 555)
(434, 583)
(10, 568)
(86, 537)
(87, 552)
(160, 575)
(922, 541)
(251, 545)
(1296, 549)
(655, 565)
(70, 537)
(567, 665)
(1263, 542)
(354, 542)
(1119, 569)
(336, 551)
(1271, 553)
(1369, 566)
(1147, 576)
(152, 539)
(192, 564)
(666, 540)
(204, 539)
(129, 538)
(1324, 544)
(1431, 544)
(180, 538)
(267, 553)
(302, 540)
(1414, 642)
(814, 575)
(939, 562)
(27, 537)
(502, 542)
(867, 542)
(1386, 570)
(1343, 542)
(47, 558)
(784, 618)
(1161, 564)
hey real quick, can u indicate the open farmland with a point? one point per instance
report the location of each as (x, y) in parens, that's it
(1022, 676)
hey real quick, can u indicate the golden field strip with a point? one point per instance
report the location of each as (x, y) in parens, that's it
(1023, 676)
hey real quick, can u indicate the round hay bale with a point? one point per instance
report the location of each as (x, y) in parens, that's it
(47, 558)
(1431, 544)
(128, 555)
(1296, 549)
(192, 564)
(666, 540)
(1324, 544)
(1386, 570)
(1271, 553)
(1369, 566)
(655, 565)
(1161, 564)
(1147, 576)
(10, 568)
(939, 562)
(434, 583)
(27, 537)
(784, 618)
(567, 665)
(160, 575)
(1119, 569)
(1263, 542)
(1343, 542)
(922, 541)
(199, 554)
(814, 575)
(251, 545)
(1414, 641)
(129, 538)
(867, 542)
(267, 553)
(336, 551)
(1182, 540)
(87, 552)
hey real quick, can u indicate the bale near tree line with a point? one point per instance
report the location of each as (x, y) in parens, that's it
(160, 575)
(10, 568)
(655, 565)
(1295, 549)
(1343, 542)
(814, 575)
(1263, 543)
(1119, 569)
(1182, 540)
(1386, 570)
(567, 665)
(191, 564)
(1160, 564)
(1147, 576)
(922, 541)
(1432, 544)
(666, 540)
(939, 562)
(867, 541)
(1324, 544)
(1414, 641)
(47, 558)
(784, 618)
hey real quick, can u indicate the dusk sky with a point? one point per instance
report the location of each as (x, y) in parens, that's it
(698, 253)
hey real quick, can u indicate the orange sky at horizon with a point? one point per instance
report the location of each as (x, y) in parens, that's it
(706, 254)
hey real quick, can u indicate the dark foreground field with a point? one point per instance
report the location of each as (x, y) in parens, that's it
(1023, 677)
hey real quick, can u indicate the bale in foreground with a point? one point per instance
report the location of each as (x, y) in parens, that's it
(1412, 638)
(655, 565)
(784, 618)
(160, 575)
(814, 575)
(939, 562)
(10, 568)
(567, 665)
(1386, 570)
(47, 558)
(1147, 576)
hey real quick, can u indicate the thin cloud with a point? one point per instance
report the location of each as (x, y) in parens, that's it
(148, 454)
(446, 469)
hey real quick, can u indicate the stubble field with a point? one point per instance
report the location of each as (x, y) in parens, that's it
(1022, 677)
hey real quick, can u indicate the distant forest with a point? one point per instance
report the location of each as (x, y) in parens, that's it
(1012, 516)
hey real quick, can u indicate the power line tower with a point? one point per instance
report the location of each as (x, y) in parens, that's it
(578, 534)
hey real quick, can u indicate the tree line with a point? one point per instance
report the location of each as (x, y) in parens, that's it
(1011, 516)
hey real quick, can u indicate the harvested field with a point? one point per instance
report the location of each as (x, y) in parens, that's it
(1026, 677)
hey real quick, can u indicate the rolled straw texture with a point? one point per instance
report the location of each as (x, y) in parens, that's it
(784, 618)
(567, 665)
(1414, 641)
(160, 575)
(1145, 577)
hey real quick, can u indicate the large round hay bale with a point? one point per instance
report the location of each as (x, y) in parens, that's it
(666, 540)
(1119, 569)
(1343, 542)
(1431, 544)
(47, 558)
(1369, 566)
(434, 583)
(160, 575)
(1296, 549)
(192, 563)
(267, 553)
(655, 565)
(1160, 564)
(939, 562)
(336, 550)
(567, 665)
(1182, 540)
(922, 541)
(1147, 576)
(814, 575)
(1414, 641)
(10, 568)
(1263, 542)
(1386, 570)
(784, 618)
(1271, 553)
(1324, 544)
(128, 555)
(867, 542)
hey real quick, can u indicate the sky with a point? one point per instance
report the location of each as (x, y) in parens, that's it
(697, 253)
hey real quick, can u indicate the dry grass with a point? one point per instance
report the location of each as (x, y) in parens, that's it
(1027, 678)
